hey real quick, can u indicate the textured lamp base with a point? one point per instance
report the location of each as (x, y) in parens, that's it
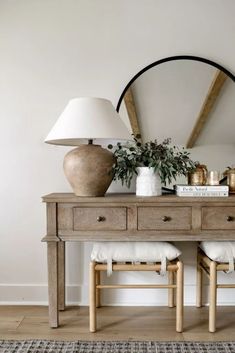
(88, 170)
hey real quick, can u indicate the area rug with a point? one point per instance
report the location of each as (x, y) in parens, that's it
(42, 346)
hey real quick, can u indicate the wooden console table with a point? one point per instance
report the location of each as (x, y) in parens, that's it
(127, 217)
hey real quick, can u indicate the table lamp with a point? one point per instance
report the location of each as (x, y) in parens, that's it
(84, 121)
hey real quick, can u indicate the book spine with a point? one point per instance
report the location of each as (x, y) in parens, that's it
(223, 188)
(203, 194)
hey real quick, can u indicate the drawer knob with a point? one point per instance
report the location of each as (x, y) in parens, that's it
(230, 219)
(100, 219)
(166, 219)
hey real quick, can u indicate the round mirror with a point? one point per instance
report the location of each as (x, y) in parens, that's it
(189, 99)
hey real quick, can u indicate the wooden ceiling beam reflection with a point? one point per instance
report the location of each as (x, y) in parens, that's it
(131, 111)
(208, 104)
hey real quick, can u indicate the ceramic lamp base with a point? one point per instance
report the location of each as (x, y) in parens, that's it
(88, 170)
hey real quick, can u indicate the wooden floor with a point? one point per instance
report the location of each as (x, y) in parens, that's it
(115, 323)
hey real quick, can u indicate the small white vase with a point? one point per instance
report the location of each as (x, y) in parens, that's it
(148, 182)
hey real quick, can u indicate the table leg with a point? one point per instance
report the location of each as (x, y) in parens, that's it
(52, 260)
(199, 282)
(61, 278)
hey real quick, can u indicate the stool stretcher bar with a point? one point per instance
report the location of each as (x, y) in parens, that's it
(123, 286)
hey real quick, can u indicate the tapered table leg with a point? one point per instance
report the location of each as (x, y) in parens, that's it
(61, 278)
(52, 254)
(199, 283)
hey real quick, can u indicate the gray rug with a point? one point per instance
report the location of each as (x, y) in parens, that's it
(41, 346)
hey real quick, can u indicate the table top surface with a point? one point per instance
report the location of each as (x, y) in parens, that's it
(132, 198)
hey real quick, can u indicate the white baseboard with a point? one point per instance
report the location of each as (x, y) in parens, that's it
(37, 294)
(34, 294)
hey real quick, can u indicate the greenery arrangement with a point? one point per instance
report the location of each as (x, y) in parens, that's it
(169, 161)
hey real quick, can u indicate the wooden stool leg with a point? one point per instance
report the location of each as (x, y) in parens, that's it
(179, 297)
(212, 297)
(98, 299)
(92, 295)
(171, 303)
(199, 282)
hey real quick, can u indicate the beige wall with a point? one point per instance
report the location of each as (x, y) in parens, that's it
(51, 51)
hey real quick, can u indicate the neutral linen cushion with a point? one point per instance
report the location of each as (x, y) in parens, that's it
(220, 251)
(134, 252)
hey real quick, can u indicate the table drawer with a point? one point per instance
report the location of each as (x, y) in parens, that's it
(99, 218)
(218, 217)
(164, 218)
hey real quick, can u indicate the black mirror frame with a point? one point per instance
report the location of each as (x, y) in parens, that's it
(171, 58)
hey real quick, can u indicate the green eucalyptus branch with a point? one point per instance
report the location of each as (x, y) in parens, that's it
(169, 161)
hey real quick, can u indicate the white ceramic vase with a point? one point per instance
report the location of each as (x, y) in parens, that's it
(148, 182)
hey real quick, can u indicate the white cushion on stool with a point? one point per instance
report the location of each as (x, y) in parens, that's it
(134, 252)
(220, 251)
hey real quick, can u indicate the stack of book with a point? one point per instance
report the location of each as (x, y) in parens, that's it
(202, 191)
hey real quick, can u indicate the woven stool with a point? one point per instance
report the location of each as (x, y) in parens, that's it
(210, 268)
(173, 267)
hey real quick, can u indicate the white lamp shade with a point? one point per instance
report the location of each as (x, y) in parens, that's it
(88, 118)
